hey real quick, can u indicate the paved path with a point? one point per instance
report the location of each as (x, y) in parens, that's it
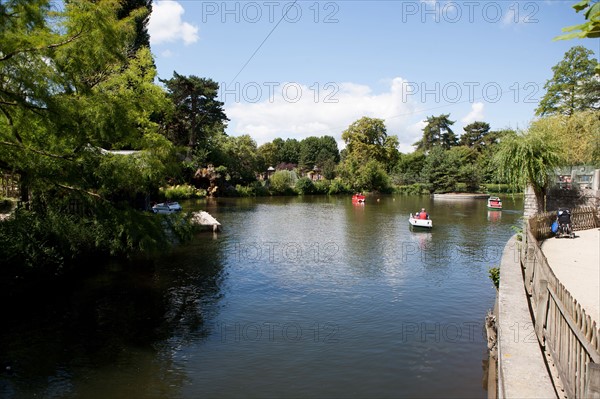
(576, 263)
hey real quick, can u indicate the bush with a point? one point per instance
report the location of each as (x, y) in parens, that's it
(339, 187)
(281, 182)
(46, 242)
(322, 187)
(496, 188)
(305, 186)
(494, 274)
(411, 189)
(182, 191)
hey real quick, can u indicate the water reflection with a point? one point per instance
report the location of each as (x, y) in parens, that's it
(297, 297)
(122, 326)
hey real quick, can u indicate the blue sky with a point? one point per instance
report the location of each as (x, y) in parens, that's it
(320, 65)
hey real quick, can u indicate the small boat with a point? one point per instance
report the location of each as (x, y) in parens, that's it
(358, 198)
(494, 203)
(424, 223)
(165, 208)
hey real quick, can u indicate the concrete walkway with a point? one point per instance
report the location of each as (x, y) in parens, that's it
(522, 371)
(576, 263)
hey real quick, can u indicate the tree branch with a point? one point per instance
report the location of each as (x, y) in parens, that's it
(48, 47)
(80, 190)
(40, 152)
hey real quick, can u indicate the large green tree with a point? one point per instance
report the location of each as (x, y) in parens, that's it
(369, 156)
(474, 135)
(69, 90)
(574, 85)
(437, 132)
(317, 151)
(198, 116)
(528, 160)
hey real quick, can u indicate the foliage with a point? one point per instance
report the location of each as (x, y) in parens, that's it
(527, 158)
(47, 242)
(305, 186)
(440, 171)
(496, 188)
(337, 186)
(437, 132)
(494, 273)
(239, 155)
(372, 177)
(412, 189)
(367, 139)
(574, 85)
(408, 168)
(182, 191)
(475, 135)
(282, 181)
(576, 136)
(197, 116)
(589, 29)
(316, 151)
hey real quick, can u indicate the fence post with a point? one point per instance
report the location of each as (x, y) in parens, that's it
(541, 310)
(592, 381)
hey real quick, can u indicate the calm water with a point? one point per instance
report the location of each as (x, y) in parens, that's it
(298, 297)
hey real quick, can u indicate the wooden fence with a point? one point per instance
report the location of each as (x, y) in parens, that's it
(562, 326)
(583, 218)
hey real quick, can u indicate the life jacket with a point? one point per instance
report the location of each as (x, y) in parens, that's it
(422, 215)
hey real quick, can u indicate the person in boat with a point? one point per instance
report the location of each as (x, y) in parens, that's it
(422, 214)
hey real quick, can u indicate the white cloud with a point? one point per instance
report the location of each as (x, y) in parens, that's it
(476, 114)
(328, 111)
(166, 24)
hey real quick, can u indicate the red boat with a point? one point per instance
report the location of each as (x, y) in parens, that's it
(494, 203)
(358, 198)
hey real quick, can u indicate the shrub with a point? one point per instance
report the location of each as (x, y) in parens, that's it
(305, 186)
(282, 181)
(494, 274)
(339, 187)
(182, 191)
(411, 189)
(322, 187)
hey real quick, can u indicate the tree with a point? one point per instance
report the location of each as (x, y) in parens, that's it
(367, 139)
(474, 135)
(589, 29)
(198, 115)
(574, 85)
(140, 11)
(316, 151)
(369, 156)
(289, 151)
(577, 136)
(409, 167)
(70, 86)
(437, 132)
(440, 171)
(241, 158)
(267, 156)
(528, 160)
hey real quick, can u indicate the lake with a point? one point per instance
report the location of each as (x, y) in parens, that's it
(296, 297)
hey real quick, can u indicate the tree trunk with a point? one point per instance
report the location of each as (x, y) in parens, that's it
(534, 201)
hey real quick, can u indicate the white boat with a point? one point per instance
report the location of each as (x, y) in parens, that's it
(424, 223)
(164, 208)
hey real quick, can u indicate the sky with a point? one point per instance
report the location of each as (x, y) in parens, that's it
(310, 68)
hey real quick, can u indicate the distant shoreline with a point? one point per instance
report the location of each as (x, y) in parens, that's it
(461, 196)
